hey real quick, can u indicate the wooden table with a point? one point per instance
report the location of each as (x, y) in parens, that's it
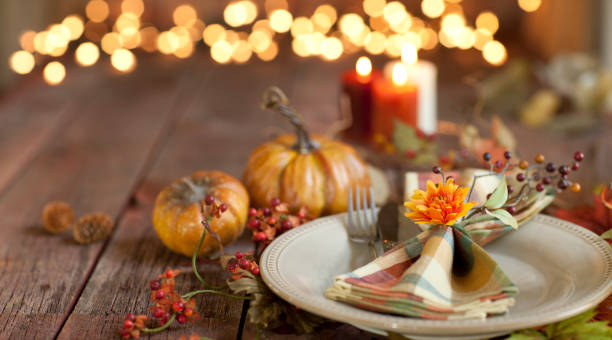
(108, 142)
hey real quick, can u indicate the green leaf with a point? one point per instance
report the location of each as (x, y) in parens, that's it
(607, 235)
(404, 137)
(526, 334)
(504, 216)
(499, 196)
(579, 327)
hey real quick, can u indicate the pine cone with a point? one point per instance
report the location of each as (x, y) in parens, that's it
(92, 228)
(57, 217)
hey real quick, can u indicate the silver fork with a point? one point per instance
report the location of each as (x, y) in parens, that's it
(362, 222)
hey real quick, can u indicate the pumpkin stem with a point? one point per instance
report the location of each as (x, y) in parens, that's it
(275, 99)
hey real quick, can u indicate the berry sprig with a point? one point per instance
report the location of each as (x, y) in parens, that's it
(241, 264)
(268, 223)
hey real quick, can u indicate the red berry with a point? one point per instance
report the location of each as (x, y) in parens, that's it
(563, 184)
(238, 255)
(223, 207)
(301, 214)
(564, 170)
(254, 223)
(267, 211)
(271, 221)
(575, 166)
(178, 306)
(486, 156)
(128, 324)
(125, 334)
(160, 294)
(232, 265)
(578, 156)
(410, 154)
(252, 212)
(540, 187)
(188, 312)
(255, 270)
(511, 210)
(510, 189)
(209, 199)
(275, 201)
(169, 273)
(244, 263)
(436, 169)
(520, 177)
(261, 236)
(286, 225)
(550, 167)
(499, 164)
(420, 133)
(507, 155)
(158, 312)
(155, 285)
(443, 160)
(130, 317)
(546, 180)
(181, 318)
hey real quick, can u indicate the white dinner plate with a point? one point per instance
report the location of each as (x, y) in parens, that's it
(561, 270)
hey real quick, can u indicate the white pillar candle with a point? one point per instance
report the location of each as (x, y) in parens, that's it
(424, 74)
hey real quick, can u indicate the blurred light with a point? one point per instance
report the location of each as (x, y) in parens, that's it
(235, 14)
(481, 37)
(466, 38)
(59, 36)
(374, 8)
(148, 37)
(379, 24)
(264, 26)
(231, 37)
(280, 20)
(321, 22)
(22, 62)
(359, 39)
(331, 48)
(110, 42)
(363, 66)
(317, 39)
(135, 7)
(167, 42)
(351, 24)
(409, 54)
(26, 40)
(452, 24)
(446, 40)
(403, 26)
(429, 38)
(494, 52)
(54, 73)
(196, 28)
(329, 11)
(270, 53)
(251, 10)
(399, 76)
(433, 8)
(221, 51)
(94, 31)
(213, 33)
(487, 21)
(75, 25)
(185, 51)
(417, 24)
(130, 41)
(123, 60)
(127, 24)
(375, 42)
(394, 12)
(97, 10)
(259, 41)
(394, 44)
(183, 15)
(242, 52)
(301, 25)
(529, 5)
(40, 42)
(87, 54)
(272, 5)
(300, 46)
(183, 35)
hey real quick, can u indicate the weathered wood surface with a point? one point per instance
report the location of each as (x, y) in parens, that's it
(109, 143)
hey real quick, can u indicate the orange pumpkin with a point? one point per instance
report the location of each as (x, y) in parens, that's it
(303, 171)
(177, 214)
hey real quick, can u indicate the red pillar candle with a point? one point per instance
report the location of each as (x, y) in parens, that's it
(356, 99)
(393, 99)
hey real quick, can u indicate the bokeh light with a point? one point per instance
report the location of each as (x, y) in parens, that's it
(280, 20)
(259, 41)
(301, 25)
(529, 5)
(488, 21)
(363, 66)
(331, 48)
(167, 42)
(123, 60)
(213, 33)
(375, 42)
(135, 7)
(242, 52)
(270, 53)
(97, 10)
(22, 62)
(148, 38)
(394, 12)
(481, 37)
(54, 73)
(494, 52)
(183, 15)
(374, 8)
(433, 8)
(94, 31)
(221, 51)
(87, 54)
(110, 42)
(26, 40)
(75, 25)
(351, 24)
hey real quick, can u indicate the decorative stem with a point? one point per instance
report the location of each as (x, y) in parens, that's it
(211, 291)
(162, 327)
(194, 258)
(275, 99)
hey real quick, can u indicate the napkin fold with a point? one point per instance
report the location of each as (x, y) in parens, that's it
(439, 274)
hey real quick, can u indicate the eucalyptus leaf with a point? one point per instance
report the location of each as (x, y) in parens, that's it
(499, 196)
(504, 216)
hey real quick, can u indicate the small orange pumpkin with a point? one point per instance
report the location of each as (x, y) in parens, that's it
(177, 214)
(303, 171)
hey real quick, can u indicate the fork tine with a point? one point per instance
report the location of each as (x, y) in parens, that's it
(351, 222)
(359, 210)
(373, 206)
(366, 215)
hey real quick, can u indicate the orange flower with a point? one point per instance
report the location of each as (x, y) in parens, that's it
(443, 203)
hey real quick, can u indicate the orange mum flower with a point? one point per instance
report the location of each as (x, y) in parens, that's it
(443, 203)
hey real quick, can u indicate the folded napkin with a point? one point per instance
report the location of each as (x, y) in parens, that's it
(439, 274)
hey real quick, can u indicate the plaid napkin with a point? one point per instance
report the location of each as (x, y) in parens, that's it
(439, 274)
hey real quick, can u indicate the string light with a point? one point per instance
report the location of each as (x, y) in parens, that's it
(22, 62)
(394, 12)
(280, 20)
(375, 42)
(135, 7)
(123, 60)
(110, 42)
(301, 25)
(87, 54)
(26, 40)
(167, 42)
(270, 53)
(433, 8)
(529, 5)
(213, 33)
(374, 8)
(351, 24)
(494, 52)
(75, 26)
(183, 15)
(221, 51)
(54, 73)
(97, 10)
(487, 21)
(331, 48)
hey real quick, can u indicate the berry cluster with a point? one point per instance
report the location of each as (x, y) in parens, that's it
(168, 301)
(241, 263)
(211, 208)
(270, 222)
(132, 326)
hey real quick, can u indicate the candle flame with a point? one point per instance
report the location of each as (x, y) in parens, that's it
(400, 74)
(409, 54)
(363, 66)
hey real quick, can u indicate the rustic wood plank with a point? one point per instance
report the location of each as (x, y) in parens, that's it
(93, 164)
(217, 132)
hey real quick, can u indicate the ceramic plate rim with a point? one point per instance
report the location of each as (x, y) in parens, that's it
(344, 313)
